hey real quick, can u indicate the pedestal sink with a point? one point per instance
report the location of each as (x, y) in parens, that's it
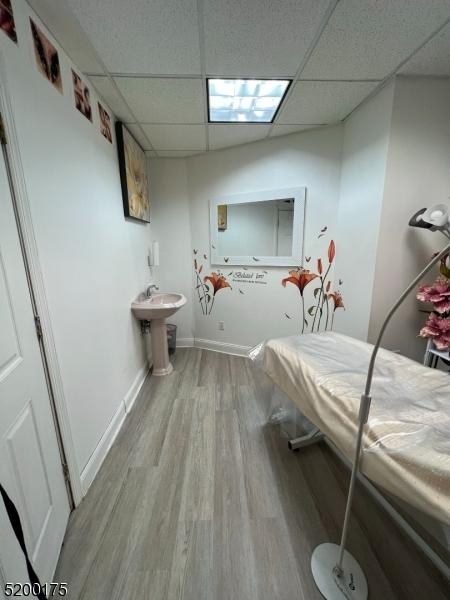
(156, 309)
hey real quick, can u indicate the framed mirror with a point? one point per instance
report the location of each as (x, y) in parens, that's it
(258, 228)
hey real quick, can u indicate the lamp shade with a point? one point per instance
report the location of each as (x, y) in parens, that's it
(437, 215)
(435, 218)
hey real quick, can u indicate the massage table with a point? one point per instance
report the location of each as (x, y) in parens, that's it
(406, 443)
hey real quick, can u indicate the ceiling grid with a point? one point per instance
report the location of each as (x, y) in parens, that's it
(323, 24)
(150, 60)
(201, 37)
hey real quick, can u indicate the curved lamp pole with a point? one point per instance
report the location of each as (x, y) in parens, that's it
(336, 572)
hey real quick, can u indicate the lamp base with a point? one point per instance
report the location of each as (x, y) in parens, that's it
(352, 585)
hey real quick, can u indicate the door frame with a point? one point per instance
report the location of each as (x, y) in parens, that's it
(27, 237)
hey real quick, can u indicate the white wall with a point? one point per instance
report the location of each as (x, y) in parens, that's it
(171, 228)
(417, 175)
(364, 158)
(395, 161)
(93, 261)
(250, 312)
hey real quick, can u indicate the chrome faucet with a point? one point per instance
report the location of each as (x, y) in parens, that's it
(150, 288)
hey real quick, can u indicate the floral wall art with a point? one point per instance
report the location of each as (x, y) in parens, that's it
(319, 316)
(208, 286)
(318, 296)
(133, 175)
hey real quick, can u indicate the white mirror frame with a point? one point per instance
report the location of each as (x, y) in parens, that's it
(296, 259)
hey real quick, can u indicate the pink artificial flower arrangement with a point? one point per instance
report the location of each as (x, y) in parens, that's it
(438, 329)
(437, 326)
(438, 294)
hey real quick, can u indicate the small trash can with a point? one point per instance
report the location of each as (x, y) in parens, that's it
(171, 337)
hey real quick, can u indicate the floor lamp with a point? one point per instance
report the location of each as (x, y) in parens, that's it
(336, 572)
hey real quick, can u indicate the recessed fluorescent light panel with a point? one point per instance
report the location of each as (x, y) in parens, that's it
(245, 100)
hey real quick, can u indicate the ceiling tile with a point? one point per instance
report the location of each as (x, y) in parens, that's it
(286, 129)
(224, 136)
(138, 135)
(177, 154)
(164, 100)
(368, 40)
(154, 37)
(433, 58)
(176, 137)
(261, 38)
(111, 96)
(323, 101)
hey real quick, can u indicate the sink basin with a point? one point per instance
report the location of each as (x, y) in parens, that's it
(156, 309)
(159, 306)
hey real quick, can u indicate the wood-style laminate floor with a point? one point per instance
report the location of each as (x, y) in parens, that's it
(199, 499)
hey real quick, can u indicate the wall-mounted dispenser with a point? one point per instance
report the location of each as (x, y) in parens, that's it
(153, 255)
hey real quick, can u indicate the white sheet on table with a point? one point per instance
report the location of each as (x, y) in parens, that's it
(407, 438)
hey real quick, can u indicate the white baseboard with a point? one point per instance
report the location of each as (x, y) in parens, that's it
(214, 346)
(222, 347)
(133, 392)
(98, 456)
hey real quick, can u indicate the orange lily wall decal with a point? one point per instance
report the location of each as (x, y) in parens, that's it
(331, 251)
(202, 289)
(208, 286)
(337, 300)
(300, 278)
(322, 298)
(337, 303)
(218, 282)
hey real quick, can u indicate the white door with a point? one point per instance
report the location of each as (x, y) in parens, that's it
(285, 232)
(30, 465)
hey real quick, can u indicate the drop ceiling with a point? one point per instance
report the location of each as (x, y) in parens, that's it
(150, 59)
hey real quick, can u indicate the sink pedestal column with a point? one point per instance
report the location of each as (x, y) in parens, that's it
(160, 350)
